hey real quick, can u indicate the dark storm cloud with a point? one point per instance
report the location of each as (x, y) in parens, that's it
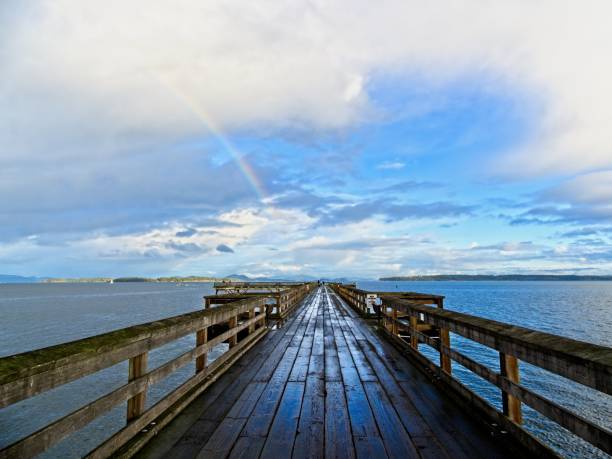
(552, 215)
(224, 249)
(189, 248)
(126, 195)
(394, 211)
(186, 233)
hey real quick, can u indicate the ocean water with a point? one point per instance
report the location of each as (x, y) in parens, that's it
(38, 315)
(578, 310)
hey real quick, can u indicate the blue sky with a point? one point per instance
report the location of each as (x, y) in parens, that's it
(305, 138)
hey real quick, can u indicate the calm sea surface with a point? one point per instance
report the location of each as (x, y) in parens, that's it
(38, 315)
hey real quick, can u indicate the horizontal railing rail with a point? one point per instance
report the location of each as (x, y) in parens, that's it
(365, 302)
(283, 301)
(240, 323)
(261, 287)
(585, 363)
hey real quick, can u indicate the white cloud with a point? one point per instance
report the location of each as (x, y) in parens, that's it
(391, 165)
(92, 92)
(589, 188)
(88, 75)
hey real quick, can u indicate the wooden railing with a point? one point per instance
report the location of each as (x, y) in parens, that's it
(243, 287)
(289, 299)
(409, 322)
(240, 323)
(280, 302)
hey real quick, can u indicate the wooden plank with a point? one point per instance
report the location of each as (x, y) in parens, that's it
(221, 441)
(263, 414)
(247, 448)
(415, 426)
(247, 401)
(311, 432)
(412, 382)
(282, 433)
(396, 440)
(360, 414)
(302, 362)
(419, 431)
(370, 448)
(266, 371)
(361, 362)
(332, 366)
(222, 392)
(249, 445)
(338, 435)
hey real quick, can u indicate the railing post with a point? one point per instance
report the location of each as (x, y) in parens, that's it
(137, 368)
(201, 338)
(251, 315)
(445, 342)
(509, 366)
(414, 339)
(394, 326)
(233, 340)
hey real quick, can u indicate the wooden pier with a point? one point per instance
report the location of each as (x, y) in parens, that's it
(313, 371)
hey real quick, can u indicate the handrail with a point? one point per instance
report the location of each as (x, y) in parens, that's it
(285, 299)
(362, 300)
(586, 363)
(409, 323)
(31, 373)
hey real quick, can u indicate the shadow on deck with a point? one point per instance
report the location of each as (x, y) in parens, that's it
(324, 385)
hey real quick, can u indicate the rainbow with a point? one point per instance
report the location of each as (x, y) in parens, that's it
(194, 107)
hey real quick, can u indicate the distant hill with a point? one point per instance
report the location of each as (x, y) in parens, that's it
(500, 277)
(240, 277)
(11, 279)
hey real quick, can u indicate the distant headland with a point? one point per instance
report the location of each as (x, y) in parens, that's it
(498, 277)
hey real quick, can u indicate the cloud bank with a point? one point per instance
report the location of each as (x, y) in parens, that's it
(140, 130)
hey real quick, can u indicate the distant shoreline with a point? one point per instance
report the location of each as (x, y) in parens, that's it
(501, 277)
(121, 280)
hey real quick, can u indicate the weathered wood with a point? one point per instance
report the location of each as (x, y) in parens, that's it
(137, 369)
(588, 430)
(28, 374)
(109, 446)
(338, 437)
(201, 338)
(192, 430)
(233, 340)
(414, 340)
(473, 402)
(395, 438)
(308, 442)
(322, 385)
(586, 363)
(50, 434)
(321, 425)
(283, 430)
(251, 315)
(448, 436)
(509, 368)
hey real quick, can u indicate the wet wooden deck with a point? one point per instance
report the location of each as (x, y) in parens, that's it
(323, 385)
